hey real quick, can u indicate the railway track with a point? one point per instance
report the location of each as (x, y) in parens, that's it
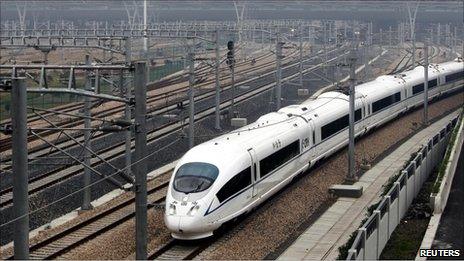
(177, 250)
(404, 63)
(55, 245)
(109, 153)
(201, 72)
(174, 97)
(171, 98)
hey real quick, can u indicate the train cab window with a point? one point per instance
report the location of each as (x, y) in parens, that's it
(195, 177)
(278, 158)
(235, 184)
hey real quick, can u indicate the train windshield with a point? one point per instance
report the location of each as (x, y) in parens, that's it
(195, 177)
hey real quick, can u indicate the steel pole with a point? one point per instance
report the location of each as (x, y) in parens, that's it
(278, 73)
(426, 83)
(390, 36)
(232, 102)
(439, 34)
(127, 50)
(87, 197)
(145, 38)
(20, 177)
(127, 116)
(366, 62)
(140, 168)
(351, 160)
(191, 130)
(413, 52)
(380, 37)
(301, 56)
(217, 84)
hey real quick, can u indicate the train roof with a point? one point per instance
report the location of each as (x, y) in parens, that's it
(324, 108)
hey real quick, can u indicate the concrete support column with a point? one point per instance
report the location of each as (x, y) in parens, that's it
(140, 166)
(20, 177)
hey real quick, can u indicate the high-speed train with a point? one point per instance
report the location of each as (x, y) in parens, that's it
(230, 175)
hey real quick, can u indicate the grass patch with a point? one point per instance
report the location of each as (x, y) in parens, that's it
(445, 161)
(343, 250)
(406, 239)
(162, 71)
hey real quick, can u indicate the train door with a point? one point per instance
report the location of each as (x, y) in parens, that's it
(367, 113)
(254, 170)
(362, 125)
(313, 152)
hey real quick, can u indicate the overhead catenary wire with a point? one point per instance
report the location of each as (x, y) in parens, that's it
(92, 184)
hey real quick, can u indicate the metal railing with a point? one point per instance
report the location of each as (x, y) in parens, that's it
(373, 235)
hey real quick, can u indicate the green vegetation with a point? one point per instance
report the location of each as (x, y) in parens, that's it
(170, 67)
(343, 250)
(445, 161)
(387, 186)
(47, 100)
(406, 239)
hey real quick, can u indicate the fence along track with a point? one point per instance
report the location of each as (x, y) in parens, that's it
(374, 233)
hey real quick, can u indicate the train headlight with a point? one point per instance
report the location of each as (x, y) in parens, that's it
(193, 210)
(172, 209)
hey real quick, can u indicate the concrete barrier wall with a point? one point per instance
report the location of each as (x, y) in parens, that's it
(375, 232)
(439, 200)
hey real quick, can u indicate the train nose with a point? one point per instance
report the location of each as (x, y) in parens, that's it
(172, 223)
(188, 228)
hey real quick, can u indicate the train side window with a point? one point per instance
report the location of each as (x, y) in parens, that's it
(385, 102)
(333, 127)
(432, 83)
(314, 137)
(235, 184)
(256, 171)
(454, 76)
(417, 89)
(357, 115)
(278, 158)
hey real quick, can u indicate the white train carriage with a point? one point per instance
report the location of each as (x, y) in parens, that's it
(223, 178)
